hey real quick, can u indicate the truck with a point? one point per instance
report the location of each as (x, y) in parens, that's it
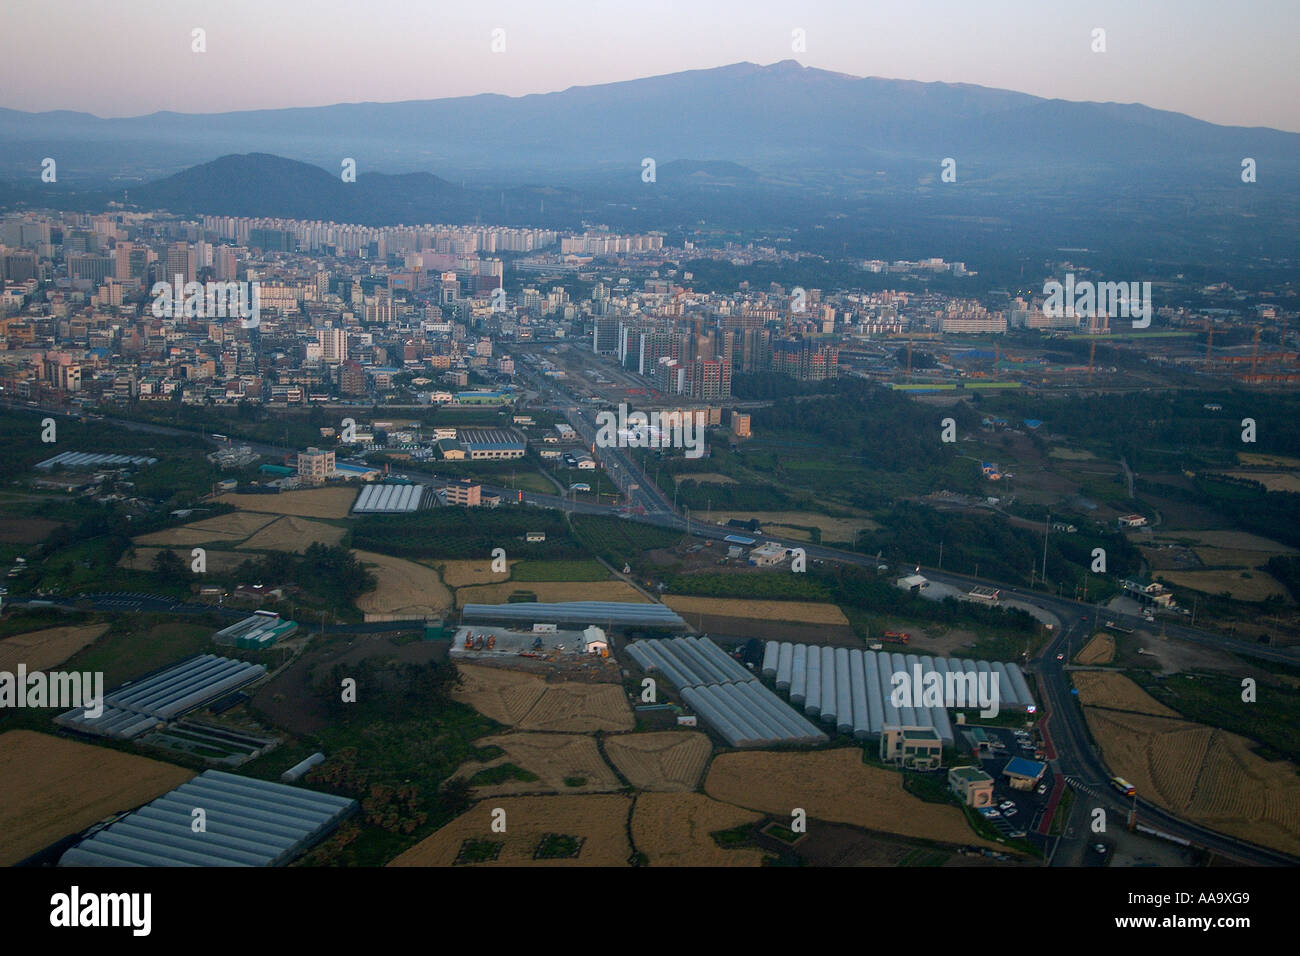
(896, 637)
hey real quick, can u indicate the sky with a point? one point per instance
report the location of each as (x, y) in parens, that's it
(1229, 63)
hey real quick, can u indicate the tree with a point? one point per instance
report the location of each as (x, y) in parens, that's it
(171, 568)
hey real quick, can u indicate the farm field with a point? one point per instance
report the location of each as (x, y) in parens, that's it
(292, 533)
(548, 591)
(459, 574)
(1242, 540)
(529, 702)
(1099, 650)
(1208, 775)
(334, 502)
(799, 612)
(1116, 692)
(1273, 481)
(705, 478)
(674, 829)
(25, 530)
(51, 787)
(229, 528)
(142, 559)
(1232, 557)
(1267, 461)
(670, 762)
(834, 785)
(832, 529)
(552, 757)
(402, 587)
(1259, 586)
(1070, 454)
(600, 820)
(50, 647)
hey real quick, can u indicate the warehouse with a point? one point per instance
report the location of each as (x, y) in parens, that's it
(729, 698)
(262, 629)
(579, 614)
(142, 705)
(82, 459)
(389, 499)
(492, 443)
(246, 822)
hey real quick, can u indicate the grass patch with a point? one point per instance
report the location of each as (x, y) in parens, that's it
(558, 846)
(575, 781)
(500, 774)
(478, 851)
(782, 833)
(734, 838)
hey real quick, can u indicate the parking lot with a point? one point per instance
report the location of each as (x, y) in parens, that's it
(1016, 813)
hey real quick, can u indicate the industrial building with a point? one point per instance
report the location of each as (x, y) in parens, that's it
(82, 459)
(143, 704)
(259, 630)
(574, 614)
(389, 499)
(915, 748)
(729, 698)
(246, 822)
(492, 443)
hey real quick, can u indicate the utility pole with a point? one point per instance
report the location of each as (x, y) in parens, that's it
(1046, 526)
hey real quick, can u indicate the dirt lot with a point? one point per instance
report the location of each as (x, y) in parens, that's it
(1205, 774)
(600, 819)
(1099, 650)
(459, 574)
(47, 648)
(51, 788)
(1116, 692)
(25, 530)
(293, 534)
(552, 757)
(834, 785)
(229, 528)
(798, 612)
(788, 523)
(142, 559)
(1259, 586)
(529, 702)
(548, 591)
(671, 761)
(402, 587)
(673, 829)
(332, 502)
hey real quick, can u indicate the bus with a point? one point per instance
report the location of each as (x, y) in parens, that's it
(219, 438)
(1123, 786)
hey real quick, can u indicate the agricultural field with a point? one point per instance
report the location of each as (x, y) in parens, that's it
(705, 478)
(40, 650)
(548, 591)
(1267, 461)
(294, 534)
(1207, 775)
(1241, 540)
(142, 559)
(331, 502)
(1070, 454)
(460, 574)
(1242, 585)
(529, 702)
(51, 787)
(228, 528)
(402, 588)
(25, 530)
(552, 758)
(798, 612)
(1272, 481)
(599, 820)
(791, 523)
(1116, 692)
(675, 829)
(834, 785)
(668, 762)
(1099, 650)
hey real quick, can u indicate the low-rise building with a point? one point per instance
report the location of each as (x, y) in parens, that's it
(971, 785)
(916, 748)
(465, 494)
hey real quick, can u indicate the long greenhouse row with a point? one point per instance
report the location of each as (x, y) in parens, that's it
(851, 689)
(731, 699)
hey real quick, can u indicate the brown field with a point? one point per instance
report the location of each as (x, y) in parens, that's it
(1117, 692)
(141, 559)
(1099, 650)
(1242, 540)
(1258, 587)
(799, 612)
(46, 648)
(25, 530)
(1232, 557)
(229, 528)
(833, 785)
(1268, 461)
(51, 788)
(601, 819)
(527, 701)
(293, 534)
(334, 502)
(402, 587)
(673, 829)
(832, 529)
(460, 574)
(548, 591)
(1272, 480)
(552, 757)
(706, 478)
(1207, 775)
(670, 761)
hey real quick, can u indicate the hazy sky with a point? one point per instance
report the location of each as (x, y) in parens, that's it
(1227, 62)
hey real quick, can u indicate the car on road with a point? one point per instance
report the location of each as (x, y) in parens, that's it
(1006, 804)
(1042, 789)
(1099, 848)
(1060, 657)
(990, 813)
